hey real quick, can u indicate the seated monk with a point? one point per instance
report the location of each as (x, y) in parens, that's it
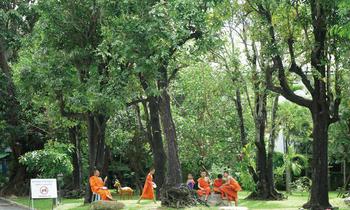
(203, 185)
(218, 183)
(230, 188)
(98, 186)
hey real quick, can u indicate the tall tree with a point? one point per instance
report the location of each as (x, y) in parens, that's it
(153, 35)
(17, 19)
(154, 133)
(302, 18)
(84, 83)
(263, 172)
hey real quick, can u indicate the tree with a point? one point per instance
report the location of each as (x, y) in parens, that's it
(154, 132)
(84, 83)
(228, 56)
(323, 62)
(152, 35)
(17, 19)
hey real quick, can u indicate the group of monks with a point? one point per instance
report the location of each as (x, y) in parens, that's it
(225, 185)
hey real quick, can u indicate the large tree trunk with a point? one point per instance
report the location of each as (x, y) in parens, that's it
(96, 141)
(319, 189)
(154, 134)
(261, 161)
(174, 176)
(243, 135)
(265, 186)
(100, 122)
(75, 139)
(274, 127)
(159, 157)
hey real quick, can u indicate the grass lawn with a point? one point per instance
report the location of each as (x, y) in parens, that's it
(294, 201)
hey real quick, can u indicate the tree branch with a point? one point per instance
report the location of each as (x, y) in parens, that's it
(284, 88)
(64, 113)
(174, 72)
(296, 69)
(335, 111)
(136, 101)
(196, 34)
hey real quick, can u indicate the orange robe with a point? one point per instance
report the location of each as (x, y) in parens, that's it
(206, 187)
(230, 190)
(148, 192)
(96, 183)
(217, 184)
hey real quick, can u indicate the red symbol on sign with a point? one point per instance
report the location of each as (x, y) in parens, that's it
(44, 190)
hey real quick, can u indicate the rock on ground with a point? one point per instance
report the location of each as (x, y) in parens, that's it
(347, 201)
(232, 208)
(106, 205)
(215, 200)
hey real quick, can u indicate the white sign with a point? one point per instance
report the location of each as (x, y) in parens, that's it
(43, 188)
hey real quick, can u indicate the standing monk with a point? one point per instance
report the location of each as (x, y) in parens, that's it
(98, 186)
(230, 188)
(148, 192)
(204, 185)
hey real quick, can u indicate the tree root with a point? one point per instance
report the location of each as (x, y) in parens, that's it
(178, 197)
(272, 195)
(316, 206)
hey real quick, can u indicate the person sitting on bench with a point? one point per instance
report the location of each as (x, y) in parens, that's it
(98, 186)
(230, 189)
(204, 186)
(217, 184)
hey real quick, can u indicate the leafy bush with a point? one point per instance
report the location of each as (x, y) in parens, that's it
(303, 184)
(54, 159)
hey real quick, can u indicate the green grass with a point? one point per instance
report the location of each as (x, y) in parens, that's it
(294, 201)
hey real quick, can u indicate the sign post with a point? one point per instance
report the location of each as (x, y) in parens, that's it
(42, 188)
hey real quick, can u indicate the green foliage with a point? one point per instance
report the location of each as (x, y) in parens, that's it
(54, 159)
(16, 20)
(343, 26)
(295, 162)
(302, 184)
(205, 119)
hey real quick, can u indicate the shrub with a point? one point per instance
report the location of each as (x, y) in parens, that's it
(303, 184)
(54, 159)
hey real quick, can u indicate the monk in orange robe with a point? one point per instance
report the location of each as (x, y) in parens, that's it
(218, 183)
(98, 186)
(203, 185)
(230, 188)
(148, 192)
